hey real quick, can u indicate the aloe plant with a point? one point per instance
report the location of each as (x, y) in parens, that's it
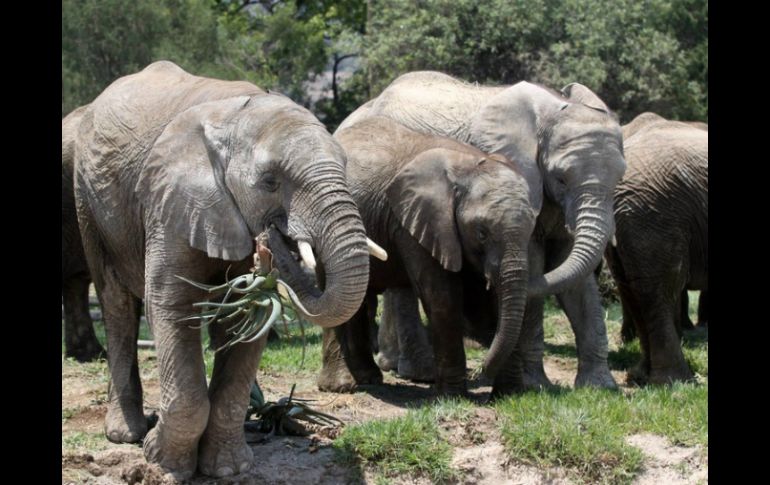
(277, 417)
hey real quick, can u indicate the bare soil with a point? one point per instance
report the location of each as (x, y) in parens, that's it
(479, 455)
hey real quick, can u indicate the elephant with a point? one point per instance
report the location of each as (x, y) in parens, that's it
(80, 340)
(569, 148)
(175, 175)
(456, 224)
(660, 248)
(628, 332)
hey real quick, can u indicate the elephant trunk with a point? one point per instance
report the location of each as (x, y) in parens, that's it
(324, 215)
(594, 223)
(512, 299)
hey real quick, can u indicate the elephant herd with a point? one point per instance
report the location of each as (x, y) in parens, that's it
(486, 200)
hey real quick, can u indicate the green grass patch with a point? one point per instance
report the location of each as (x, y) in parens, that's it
(285, 355)
(410, 445)
(678, 412)
(79, 441)
(579, 430)
(585, 430)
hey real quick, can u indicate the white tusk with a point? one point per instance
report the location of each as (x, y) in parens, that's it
(307, 254)
(375, 250)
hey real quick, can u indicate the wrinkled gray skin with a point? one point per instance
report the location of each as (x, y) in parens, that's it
(661, 248)
(403, 341)
(569, 148)
(453, 221)
(175, 175)
(80, 341)
(627, 331)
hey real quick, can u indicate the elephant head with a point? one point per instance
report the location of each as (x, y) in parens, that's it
(569, 144)
(581, 158)
(224, 171)
(569, 147)
(466, 207)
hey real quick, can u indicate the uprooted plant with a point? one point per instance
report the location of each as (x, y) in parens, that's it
(259, 305)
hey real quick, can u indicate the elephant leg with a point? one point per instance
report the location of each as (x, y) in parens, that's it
(628, 328)
(223, 449)
(125, 421)
(583, 307)
(703, 316)
(441, 293)
(661, 345)
(415, 359)
(387, 336)
(347, 353)
(184, 403)
(532, 337)
(532, 343)
(79, 337)
(684, 321)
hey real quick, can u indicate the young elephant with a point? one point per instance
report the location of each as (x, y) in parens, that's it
(568, 146)
(454, 221)
(80, 340)
(175, 175)
(661, 238)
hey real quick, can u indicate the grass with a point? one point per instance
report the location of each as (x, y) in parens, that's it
(583, 431)
(81, 442)
(578, 430)
(409, 445)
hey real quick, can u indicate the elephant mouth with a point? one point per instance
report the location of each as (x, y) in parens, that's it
(287, 258)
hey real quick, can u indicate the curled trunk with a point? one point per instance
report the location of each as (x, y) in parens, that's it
(593, 228)
(327, 212)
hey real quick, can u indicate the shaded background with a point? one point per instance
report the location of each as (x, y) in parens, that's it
(333, 55)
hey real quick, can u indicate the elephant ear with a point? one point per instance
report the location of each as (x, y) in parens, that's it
(182, 181)
(578, 93)
(422, 198)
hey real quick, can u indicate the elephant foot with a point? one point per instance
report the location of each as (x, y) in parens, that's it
(638, 375)
(222, 457)
(340, 382)
(176, 461)
(125, 426)
(449, 387)
(386, 362)
(595, 375)
(417, 370)
(503, 391)
(86, 353)
(533, 378)
(452, 391)
(665, 376)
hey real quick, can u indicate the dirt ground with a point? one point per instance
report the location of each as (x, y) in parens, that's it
(310, 460)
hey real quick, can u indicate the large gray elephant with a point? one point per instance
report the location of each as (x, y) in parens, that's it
(80, 340)
(456, 224)
(174, 176)
(661, 242)
(569, 148)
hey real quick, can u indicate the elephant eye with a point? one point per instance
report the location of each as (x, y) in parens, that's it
(482, 234)
(269, 182)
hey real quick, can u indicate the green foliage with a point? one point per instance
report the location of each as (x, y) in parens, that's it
(638, 56)
(105, 39)
(649, 55)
